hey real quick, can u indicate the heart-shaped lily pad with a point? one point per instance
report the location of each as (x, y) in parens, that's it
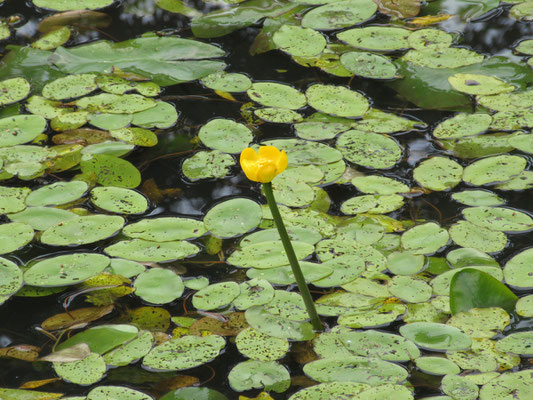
(82, 230)
(233, 217)
(158, 286)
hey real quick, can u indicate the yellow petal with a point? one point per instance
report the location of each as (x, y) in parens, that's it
(266, 172)
(282, 162)
(268, 152)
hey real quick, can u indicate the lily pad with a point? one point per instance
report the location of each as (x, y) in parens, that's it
(147, 251)
(336, 100)
(112, 171)
(233, 217)
(462, 125)
(62, 5)
(278, 115)
(158, 286)
(268, 254)
(13, 90)
(476, 84)
(277, 326)
(499, 218)
(82, 230)
(379, 38)
(425, 239)
(272, 94)
(261, 347)
(253, 374)
(375, 344)
(372, 204)
(162, 116)
(57, 193)
(437, 365)
(14, 236)
(11, 277)
(227, 82)
(184, 353)
(165, 229)
(368, 149)
(225, 135)
(434, 38)
(83, 372)
(339, 14)
(65, 270)
(124, 393)
(434, 336)
(216, 295)
(12, 199)
(70, 86)
(53, 39)
(438, 173)
(467, 234)
(517, 270)
(439, 58)
(459, 387)
(494, 169)
(369, 65)
(298, 41)
(20, 129)
(119, 200)
(478, 198)
(207, 165)
(41, 218)
(518, 384)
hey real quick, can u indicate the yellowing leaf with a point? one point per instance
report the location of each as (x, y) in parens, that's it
(225, 95)
(36, 384)
(21, 352)
(64, 320)
(430, 19)
(260, 396)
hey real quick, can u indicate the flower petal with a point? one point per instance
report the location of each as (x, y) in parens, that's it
(282, 162)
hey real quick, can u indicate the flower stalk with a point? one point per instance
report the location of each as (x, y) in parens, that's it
(293, 260)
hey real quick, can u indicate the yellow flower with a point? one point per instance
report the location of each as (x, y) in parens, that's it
(265, 165)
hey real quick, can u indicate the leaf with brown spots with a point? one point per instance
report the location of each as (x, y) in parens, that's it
(23, 352)
(399, 8)
(64, 320)
(234, 324)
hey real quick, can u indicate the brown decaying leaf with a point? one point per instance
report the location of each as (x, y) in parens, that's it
(74, 353)
(303, 352)
(156, 195)
(38, 384)
(82, 19)
(83, 136)
(235, 323)
(399, 8)
(64, 320)
(23, 352)
(175, 383)
(155, 319)
(260, 396)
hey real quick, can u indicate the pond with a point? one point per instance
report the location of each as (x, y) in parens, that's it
(139, 262)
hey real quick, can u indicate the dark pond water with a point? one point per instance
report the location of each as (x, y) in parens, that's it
(492, 34)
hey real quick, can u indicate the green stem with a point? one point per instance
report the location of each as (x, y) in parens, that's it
(293, 260)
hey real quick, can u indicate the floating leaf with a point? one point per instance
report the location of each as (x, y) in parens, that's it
(216, 295)
(233, 217)
(459, 386)
(165, 229)
(118, 200)
(10, 277)
(162, 116)
(369, 65)
(499, 218)
(14, 236)
(517, 384)
(131, 351)
(109, 392)
(57, 193)
(494, 169)
(158, 286)
(53, 39)
(147, 251)
(405, 263)
(225, 135)
(20, 129)
(278, 115)
(462, 125)
(165, 60)
(448, 57)
(272, 94)
(375, 344)
(70, 86)
(368, 149)
(253, 374)
(298, 41)
(61, 5)
(227, 82)
(41, 218)
(433, 336)
(184, 353)
(380, 38)
(196, 393)
(64, 320)
(82, 230)
(13, 199)
(261, 347)
(65, 270)
(438, 173)
(340, 14)
(277, 326)
(476, 84)
(13, 90)
(336, 100)
(312, 272)
(478, 198)
(517, 270)
(83, 372)
(485, 321)
(268, 254)
(112, 171)
(102, 338)
(434, 38)
(467, 234)
(330, 391)
(425, 239)
(437, 365)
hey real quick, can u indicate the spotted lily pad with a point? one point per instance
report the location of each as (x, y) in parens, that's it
(11, 277)
(83, 372)
(148, 251)
(254, 292)
(158, 286)
(109, 392)
(14, 235)
(277, 326)
(340, 14)
(233, 217)
(434, 336)
(336, 100)
(448, 57)
(13, 199)
(227, 82)
(484, 321)
(272, 94)
(253, 374)
(368, 149)
(165, 229)
(298, 41)
(380, 38)
(425, 239)
(369, 65)
(478, 198)
(70, 86)
(112, 171)
(268, 254)
(162, 116)
(20, 129)
(225, 135)
(459, 386)
(494, 169)
(467, 234)
(13, 90)
(65, 270)
(435, 38)
(258, 346)
(119, 200)
(372, 204)
(216, 295)
(499, 218)
(476, 84)
(207, 164)
(462, 125)
(62, 5)
(41, 218)
(437, 365)
(438, 173)
(82, 230)
(57, 193)
(518, 384)
(386, 346)
(517, 270)
(184, 353)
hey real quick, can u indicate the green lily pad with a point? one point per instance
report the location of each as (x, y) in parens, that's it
(459, 387)
(165, 229)
(336, 100)
(65, 270)
(125, 268)
(476, 84)
(379, 38)
(425, 239)
(147, 251)
(448, 57)
(83, 372)
(70, 86)
(82, 230)
(436, 365)
(479, 146)
(515, 101)
(158, 286)
(298, 41)
(375, 344)
(272, 94)
(268, 254)
(438, 173)
(109, 392)
(184, 353)
(524, 306)
(119, 200)
(433, 38)
(57, 193)
(46, 108)
(405, 263)
(517, 384)
(340, 14)
(254, 374)
(258, 346)
(233, 217)
(24, 394)
(304, 152)
(137, 136)
(116, 103)
(216, 295)
(11, 277)
(494, 169)
(13, 90)
(467, 234)
(277, 326)
(525, 47)
(13, 199)
(62, 5)
(207, 164)
(53, 39)
(517, 343)
(278, 115)
(369, 65)
(295, 234)
(434, 336)
(329, 391)
(225, 135)
(41, 218)
(377, 121)
(483, 322)
(68, 121)
(522, 11)
(410, 289)
(14, 236)
(372, 204)
(254, 292)
(20, 129)
(441, 283)
(517, 270)
(478, 198)
(368, 149)
(499, 218)
(165, 60)
(283, 275)
(319, 130)
(227, 82)
(462, 125)
(112, 171)
(196, 393)
(372, 371)
(162, 116)
(522, 181)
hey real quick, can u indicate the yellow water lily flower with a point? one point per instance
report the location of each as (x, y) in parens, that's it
(264, 165)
